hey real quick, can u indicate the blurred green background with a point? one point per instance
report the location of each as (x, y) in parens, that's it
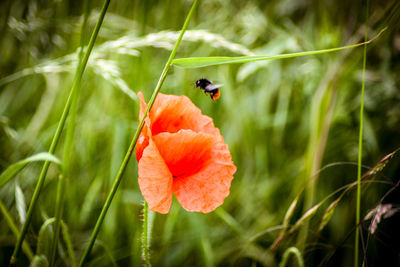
(284, 120)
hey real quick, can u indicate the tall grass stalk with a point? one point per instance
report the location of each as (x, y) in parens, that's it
(133, 144)
(360, 136)
(68, 147)
(78, 77)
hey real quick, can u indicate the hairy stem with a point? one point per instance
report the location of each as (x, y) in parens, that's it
(145, 235)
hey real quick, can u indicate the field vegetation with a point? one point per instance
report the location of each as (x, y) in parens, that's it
(292, 125)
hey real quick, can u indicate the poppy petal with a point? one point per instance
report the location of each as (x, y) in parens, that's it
(155, 179)
(180, 151)
(184, 152)
(206, 190)
(172, 113)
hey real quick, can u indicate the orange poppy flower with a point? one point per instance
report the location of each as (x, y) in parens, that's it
(181, 152)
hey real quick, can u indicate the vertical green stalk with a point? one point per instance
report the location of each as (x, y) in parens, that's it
(360, 136)
(56, 137)
(128, 154)
(58, 214)
(68, 148)
(68, 243)
(145, 235)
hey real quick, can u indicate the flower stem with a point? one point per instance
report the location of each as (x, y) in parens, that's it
(128, 154)
(360, 136)
(145, 236)
(57, 135)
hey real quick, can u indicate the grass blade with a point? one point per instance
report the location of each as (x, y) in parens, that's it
(296, 253)
(39, 261)
(360, 137)
(20, 202)
(44, 239)
(15, 168)
(68, 243)
(199, 62)
(229, 220)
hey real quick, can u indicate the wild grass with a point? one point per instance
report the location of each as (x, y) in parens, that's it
(292, 126)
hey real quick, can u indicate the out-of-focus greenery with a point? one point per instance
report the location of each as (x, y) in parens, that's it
(284, 120)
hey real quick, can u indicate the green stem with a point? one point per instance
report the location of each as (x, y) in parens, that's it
(128, 154)
(56, 138)
(14, 229)
(360, 136)
(68, 243)
(58, 214)
(295, 252)
(68, 147)
(145, 235)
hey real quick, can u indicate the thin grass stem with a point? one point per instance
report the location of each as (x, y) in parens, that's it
(78, 77)
(68, 243)
(127, 157)
(68, 146)
(360, 136)
(58, 215)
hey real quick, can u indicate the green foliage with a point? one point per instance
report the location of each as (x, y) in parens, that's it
(296, 253)
(39, 261)
(15, 168)
(45, 237)
(283, 119)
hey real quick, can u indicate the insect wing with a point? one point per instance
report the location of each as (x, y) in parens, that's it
(211, 87)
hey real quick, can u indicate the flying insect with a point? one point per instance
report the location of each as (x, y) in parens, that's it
(209, 88)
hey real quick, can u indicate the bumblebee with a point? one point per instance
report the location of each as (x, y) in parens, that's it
(209, 88)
